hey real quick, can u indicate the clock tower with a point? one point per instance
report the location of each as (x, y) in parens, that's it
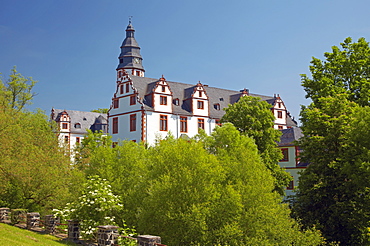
(130, 59)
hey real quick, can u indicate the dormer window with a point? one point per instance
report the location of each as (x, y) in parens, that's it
(221, 99)
(279, 105)
(200, 94)
(163, 88)
(217, 106)
(84, 118)
(64, 125)
(176, 102)
(78, 125)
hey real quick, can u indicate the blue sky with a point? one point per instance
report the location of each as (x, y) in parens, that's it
(71, 46)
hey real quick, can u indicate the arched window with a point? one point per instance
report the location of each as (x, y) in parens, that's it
(78, 125)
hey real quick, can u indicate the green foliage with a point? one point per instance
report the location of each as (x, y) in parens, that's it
(96, 206)
(101, 110)
(214, 190)
(17, 91)
(253, 117)
(34, 172)
(333, 192)
(344, 71)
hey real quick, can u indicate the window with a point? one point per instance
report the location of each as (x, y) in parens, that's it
(163, 123)
(137, 73)
(119, 74)
(78, 125)
(163, 100)
(218, 123)
(280, 114)
(200, 104)
(64, 125)
(200, 94)
(280, 127)
(115, 125)
(121, 89)
(115, 103)
(127, 88)
(290, 185)
(201, 123)
(163, 88)
(183, 124)
(285, 153)
(132, 100)
(66, 139)
(279, 105)
(217, 106)
(78, 140)
(133, 122)
(176, 102)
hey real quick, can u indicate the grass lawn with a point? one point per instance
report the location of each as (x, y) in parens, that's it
(11, 235)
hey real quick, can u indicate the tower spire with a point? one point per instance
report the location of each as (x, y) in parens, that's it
(130, 59)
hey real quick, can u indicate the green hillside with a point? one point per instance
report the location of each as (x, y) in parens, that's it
(11, 235)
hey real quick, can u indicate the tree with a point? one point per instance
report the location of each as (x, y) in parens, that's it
(343, 71)
(216, 191)
(253, 117)
(125, 167)
(34, 172)
(101, 110)
(333, 191)
(17, 91)
(209, 191)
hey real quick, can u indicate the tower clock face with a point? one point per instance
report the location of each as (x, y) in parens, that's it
(136, 60)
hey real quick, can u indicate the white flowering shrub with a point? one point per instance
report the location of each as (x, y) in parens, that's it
(96, 206)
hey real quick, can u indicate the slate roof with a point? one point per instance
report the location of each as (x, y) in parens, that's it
(87, 120)
(183, 91)
(289, 136)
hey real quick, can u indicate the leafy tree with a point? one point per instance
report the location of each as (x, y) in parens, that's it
(210, 191)
(344, 71)
(253, 117)
(216, 191)
(125, 167)
(101, 110)
(333, 191)
(34, 172)
(17, 91)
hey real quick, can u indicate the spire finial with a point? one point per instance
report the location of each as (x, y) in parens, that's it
(130, 19)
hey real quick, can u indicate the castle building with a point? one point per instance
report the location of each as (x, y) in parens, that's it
(73, 125)
(146, 109)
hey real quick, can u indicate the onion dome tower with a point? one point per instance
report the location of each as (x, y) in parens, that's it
(130, 59)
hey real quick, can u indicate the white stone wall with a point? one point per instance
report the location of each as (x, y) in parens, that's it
(153, 131)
